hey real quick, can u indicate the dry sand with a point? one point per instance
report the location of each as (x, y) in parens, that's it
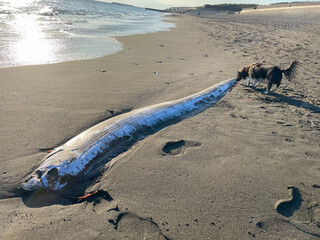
(225, 168)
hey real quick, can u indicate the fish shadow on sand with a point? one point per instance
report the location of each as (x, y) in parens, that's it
(74, 194)
(44, 198)
(40, 199)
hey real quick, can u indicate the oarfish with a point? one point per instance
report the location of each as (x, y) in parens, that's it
(78, 157)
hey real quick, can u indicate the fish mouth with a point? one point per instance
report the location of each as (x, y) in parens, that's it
(32, 185)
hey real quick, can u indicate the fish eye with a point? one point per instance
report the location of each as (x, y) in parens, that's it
(53, 174)
(39, 173)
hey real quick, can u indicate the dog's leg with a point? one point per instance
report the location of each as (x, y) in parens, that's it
(268, 87)
(255, 82)
(248, 81)
(276, 87)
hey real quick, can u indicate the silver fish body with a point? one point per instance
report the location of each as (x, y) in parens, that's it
(80, 155)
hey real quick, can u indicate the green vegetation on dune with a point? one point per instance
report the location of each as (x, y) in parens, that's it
(229, 7)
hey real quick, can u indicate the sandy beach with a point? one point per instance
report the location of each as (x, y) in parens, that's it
(230, 165)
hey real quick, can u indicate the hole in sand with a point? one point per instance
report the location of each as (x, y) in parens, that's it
(179, 147)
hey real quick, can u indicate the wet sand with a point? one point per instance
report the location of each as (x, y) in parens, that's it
(217, 175)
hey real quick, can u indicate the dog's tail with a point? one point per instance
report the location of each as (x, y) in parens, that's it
(291, 71)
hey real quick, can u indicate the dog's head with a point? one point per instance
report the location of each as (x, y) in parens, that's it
(242, 74)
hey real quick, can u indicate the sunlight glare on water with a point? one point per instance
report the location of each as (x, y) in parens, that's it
(32, 46)
(30, 43)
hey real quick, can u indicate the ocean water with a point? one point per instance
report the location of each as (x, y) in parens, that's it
(49, 31)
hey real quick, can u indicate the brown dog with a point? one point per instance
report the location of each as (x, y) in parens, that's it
(248, 71)
(272, 74)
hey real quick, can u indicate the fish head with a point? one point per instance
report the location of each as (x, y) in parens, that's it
(51, 174)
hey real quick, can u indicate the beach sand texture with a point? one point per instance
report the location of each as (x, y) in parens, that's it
(217, 175)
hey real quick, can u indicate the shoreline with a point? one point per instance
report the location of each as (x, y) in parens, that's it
(216, 175)
(114, 46)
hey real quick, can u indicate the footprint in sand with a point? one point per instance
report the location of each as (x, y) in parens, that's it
(130, 224)
(286, 207)
(277, 228)
(179, 147)
(304, 225)
(316, 217)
